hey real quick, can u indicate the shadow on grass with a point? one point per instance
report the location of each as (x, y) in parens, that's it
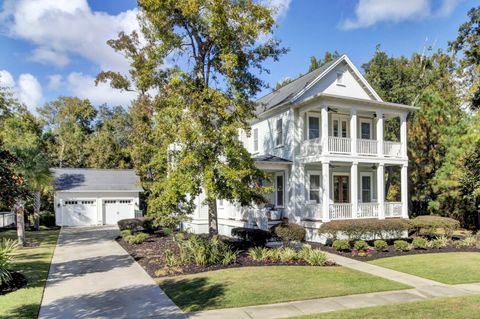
(194, 294)
(24, 312)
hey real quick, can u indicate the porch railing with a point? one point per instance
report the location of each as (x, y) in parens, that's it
(313, 211)
(367, 210)
(367, 147)
(339, 144)
(393, 149)
(340, 211)
(311, 147)
(393, 209)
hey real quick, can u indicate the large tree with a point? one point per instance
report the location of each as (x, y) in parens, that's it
(201, 100)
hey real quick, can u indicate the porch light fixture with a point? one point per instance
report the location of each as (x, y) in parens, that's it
(374, 166)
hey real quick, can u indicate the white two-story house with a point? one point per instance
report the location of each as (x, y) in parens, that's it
(321, 140)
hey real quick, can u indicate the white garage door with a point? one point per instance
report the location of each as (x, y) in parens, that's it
(79, 213)
(116, 209)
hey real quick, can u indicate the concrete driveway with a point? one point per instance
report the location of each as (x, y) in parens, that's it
(91, 276)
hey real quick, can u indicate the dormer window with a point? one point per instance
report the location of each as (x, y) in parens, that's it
(340, 78)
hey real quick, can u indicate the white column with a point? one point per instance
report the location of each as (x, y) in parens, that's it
(403, 133)
(380, 132)
(381, 191)
(326, 191)
(325, 129)
(299, 130)
(353, 130)
(404, 190)
(354, 188)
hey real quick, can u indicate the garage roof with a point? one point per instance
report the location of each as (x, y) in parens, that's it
(89, 179)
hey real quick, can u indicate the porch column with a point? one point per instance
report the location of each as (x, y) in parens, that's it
(403, 133)
(353, 130)
(354, 188)
(404, 190)
(381, 191)
(325, 129)
(380, 132)
(326, 191)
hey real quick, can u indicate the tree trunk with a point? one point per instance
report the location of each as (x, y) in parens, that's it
(20, 214)
(36, 209)
(212, 216)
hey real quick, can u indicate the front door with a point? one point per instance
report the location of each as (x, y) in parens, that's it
(340, 126)
(341, 189)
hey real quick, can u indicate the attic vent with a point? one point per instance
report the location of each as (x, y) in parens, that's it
(340, 78)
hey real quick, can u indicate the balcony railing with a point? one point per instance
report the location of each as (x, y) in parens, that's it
(367, 210)
(393, 209)
(340, 211)
(311, 147)
(367, 147)
(393, 149)
(339, 144)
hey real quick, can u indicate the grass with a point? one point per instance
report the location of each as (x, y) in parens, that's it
(238, 287)
(34, 264)
(448, 268)
(444, 308)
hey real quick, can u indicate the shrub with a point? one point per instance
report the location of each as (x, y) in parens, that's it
(167, 231)
(469, 241)
(257, 237)
(47, 219)
(380, 245)
(125, 233)
(340, 244)
(419, 243)
(363, 228)
(360, 245)
(314, 257)
(439, 242)
(287, 255)
(204, 251)
(135, 239)
(229, 257)
(430, 224)
(7, 247)
(256, 253)
(141, 224)
(401, 245)
(290, 232)
(172, 260)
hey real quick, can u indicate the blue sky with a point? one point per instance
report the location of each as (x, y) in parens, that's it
(56, 47)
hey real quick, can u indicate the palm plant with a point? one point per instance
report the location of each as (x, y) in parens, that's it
(7, 246)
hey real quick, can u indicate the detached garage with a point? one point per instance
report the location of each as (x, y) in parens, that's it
(85, 197)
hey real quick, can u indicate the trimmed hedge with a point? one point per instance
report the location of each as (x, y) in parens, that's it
(141, 224)
(429, 224)
(357, 229)
(290, 232)
(47, 219)
(257, 237)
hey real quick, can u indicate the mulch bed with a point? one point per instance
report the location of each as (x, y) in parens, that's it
(150, 255)
(392, 252)
(18, 281)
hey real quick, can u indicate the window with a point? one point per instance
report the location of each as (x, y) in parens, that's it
(366, 186)
(71, 202)
(340, 127)
(335, 128)
(313, 127)
(88, 202)
(255, 139)
(341, 189)
(344, 128)
(340, 78)
(279, 133)
(279, 189)
(365, 130)
(125, 201)
(110, 201)
(314, 191)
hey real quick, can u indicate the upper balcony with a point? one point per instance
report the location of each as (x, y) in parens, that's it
(350, 132)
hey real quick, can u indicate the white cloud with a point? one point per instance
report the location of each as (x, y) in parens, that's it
(84, 87)
(370, 12)
(64, 27)
(54, 81)
(281, 7)
(27, 89)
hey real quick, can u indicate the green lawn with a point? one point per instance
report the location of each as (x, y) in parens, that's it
(444, 308)
(34, 264)
(448, 268)
(237, 287)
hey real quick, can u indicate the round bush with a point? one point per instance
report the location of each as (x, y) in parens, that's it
(401, 245)
(360, 245)
(290, 232)
(47, 219)
(430, 224)
(340, 244)
(419, 243)
(380, 245)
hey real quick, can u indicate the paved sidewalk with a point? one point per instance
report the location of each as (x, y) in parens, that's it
(91, 276)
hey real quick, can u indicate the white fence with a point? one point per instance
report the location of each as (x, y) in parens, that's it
(367, 210)
(393, 209)
(340, 211)
(339, 144)
(367, 147)
(393, 149)
(7, 219)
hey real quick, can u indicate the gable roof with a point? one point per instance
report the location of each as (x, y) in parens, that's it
(88, 179)
(270, 159)
(295, 89)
